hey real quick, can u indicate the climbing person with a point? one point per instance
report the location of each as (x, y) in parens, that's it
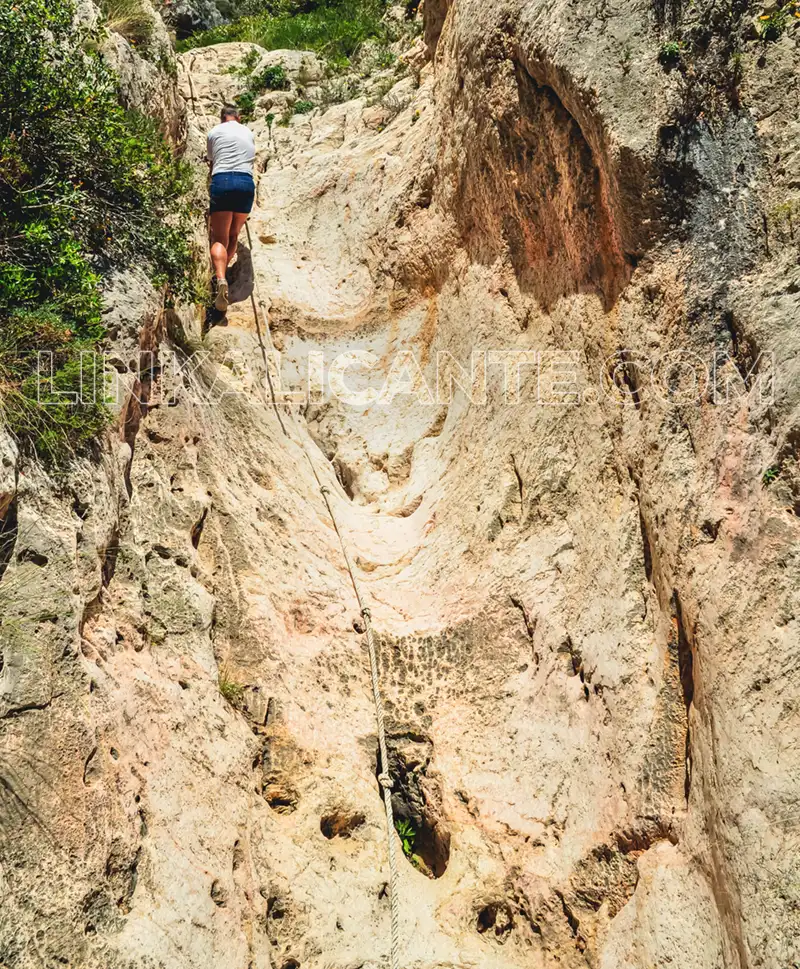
(230, 151)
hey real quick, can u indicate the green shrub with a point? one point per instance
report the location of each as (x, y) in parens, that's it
(334, 29)
(770, 475)
(248, 65)
(276, 7)
(334, 90)
(84, 185)
(272, 78)
(784, 219)
(246, 103)
(299, 107)
(771, 26)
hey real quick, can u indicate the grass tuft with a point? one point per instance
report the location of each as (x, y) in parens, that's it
(232, 691)
(131, 18)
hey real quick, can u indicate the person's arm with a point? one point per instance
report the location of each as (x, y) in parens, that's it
(252, 143)
(209, 159)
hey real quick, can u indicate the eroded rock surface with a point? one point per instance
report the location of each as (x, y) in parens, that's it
(585, 593)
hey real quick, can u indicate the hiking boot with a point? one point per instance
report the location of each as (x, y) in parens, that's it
(221, 302)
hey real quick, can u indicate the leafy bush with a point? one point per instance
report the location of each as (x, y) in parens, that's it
(272, 78)
(276, 7)
(26, 333)
(246, 103)
(374, 56)
(334, 29)
(299, 107)
(84, 185)
(334, 90)
(784, 220)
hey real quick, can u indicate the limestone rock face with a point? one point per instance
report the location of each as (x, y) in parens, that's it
(8, 472)
(146, 76)
(206, 82)
(585, 587)
(187, 17)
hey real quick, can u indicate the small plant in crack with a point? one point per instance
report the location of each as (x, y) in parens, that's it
(671, 53)
(770, 475)
(299, 107)
(416, 800)
(408, 836)
(270, 78)
(231, 689)
(772, 25)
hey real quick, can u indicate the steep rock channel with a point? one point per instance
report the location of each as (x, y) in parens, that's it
(586, 600)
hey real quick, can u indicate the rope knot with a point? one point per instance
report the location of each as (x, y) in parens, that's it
(385, 782)
(366, 613)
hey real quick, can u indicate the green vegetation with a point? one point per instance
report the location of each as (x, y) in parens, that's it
(704, 44)
(770, 475)
(84, 185)
(272, 78)
(299, 107)
(232, 691)
(670, 53)
(771, 26)
(352, 37)
(131, 18)
(408, 836)
(784, 219)
(335, 29)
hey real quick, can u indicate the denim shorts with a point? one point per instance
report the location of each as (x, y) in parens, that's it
(232, 192)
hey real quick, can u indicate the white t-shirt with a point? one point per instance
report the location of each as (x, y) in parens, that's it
(231, 148)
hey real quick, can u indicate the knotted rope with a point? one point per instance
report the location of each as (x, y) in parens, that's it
(384, 778)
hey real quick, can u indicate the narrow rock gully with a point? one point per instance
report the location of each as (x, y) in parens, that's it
(535, 652)
(505, 652)
(583, 591)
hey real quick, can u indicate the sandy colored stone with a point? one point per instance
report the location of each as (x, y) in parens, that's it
(586, 608)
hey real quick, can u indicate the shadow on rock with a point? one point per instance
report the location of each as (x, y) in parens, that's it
(241, 276)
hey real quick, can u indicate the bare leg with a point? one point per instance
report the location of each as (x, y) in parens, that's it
(237, 221)
(220, 231)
